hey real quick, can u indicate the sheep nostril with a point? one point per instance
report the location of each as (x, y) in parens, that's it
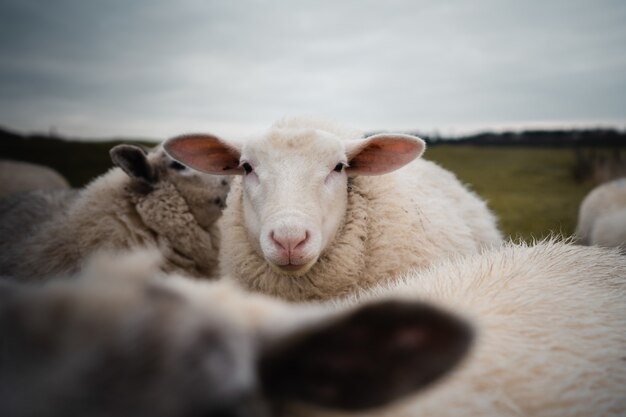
(218, 201)
(303, 241)
(277, 242)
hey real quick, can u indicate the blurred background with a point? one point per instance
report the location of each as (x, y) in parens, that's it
(523, 101)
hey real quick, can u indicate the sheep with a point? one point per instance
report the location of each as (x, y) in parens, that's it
(17, 176)
(602, 216)
(147, 199)
(123, 339)
(551, 332)
(21, 213)
(610, 230)
(317, 213)
(546, 337)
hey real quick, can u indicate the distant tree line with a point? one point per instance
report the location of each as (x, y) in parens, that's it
(552, 138)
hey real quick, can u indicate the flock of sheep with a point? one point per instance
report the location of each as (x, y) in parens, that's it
(307, 271)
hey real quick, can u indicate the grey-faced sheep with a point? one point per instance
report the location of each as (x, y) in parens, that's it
(318, 212)
(149, 199)
(602, 216)
(18, 177)
(550, 338)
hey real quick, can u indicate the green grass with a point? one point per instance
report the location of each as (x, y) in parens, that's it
(531, 190)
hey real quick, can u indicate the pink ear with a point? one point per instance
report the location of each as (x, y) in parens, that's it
(205, 153)
(380, 154)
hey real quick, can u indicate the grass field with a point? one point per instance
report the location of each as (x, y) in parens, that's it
(532, 190)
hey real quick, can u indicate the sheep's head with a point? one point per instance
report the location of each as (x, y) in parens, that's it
(205, 194)
(174, 347)
(295, 183)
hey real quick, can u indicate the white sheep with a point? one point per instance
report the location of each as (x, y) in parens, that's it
(549, 341)
(602, 216)
(319, 212)
(18, 176)
(610, 230)
(148, 199)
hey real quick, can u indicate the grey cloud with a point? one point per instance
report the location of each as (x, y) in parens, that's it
(158, 68)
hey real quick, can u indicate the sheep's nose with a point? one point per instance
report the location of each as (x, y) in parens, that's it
(290, 242)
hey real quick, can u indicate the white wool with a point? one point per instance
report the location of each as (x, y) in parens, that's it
(610, 230)
(602, 216)
(551, 324)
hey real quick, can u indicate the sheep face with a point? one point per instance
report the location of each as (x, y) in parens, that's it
(294, 183)
(205, 194)
(156, 349)
(293, 203)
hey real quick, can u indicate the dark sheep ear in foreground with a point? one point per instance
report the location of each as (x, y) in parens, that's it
(134, 161)
(367, 359)
(205, 153)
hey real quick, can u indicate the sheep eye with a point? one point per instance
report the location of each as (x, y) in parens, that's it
(177, 166)
(338, 167)
(247, 167)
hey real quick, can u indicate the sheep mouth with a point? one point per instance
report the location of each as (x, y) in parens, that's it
(293, 269)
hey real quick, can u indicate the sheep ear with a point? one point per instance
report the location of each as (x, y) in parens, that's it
(205, 153)
(373, 356)
(380, 154)
(134, 161)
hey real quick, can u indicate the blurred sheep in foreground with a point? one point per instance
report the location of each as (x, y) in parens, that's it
(123, 341)
(550, 338)
(550, 327)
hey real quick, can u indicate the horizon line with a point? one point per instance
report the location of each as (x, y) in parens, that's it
(450, 132)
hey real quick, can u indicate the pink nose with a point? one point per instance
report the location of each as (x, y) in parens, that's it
(290, 243)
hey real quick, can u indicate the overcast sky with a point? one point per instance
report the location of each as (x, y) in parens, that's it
(156, 68)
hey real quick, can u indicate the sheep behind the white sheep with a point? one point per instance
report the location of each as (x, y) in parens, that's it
(550, 341)
(19, 176)
(122, 340)
(318, 212)
(602, 216)
(23, 214)
(149, 199)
